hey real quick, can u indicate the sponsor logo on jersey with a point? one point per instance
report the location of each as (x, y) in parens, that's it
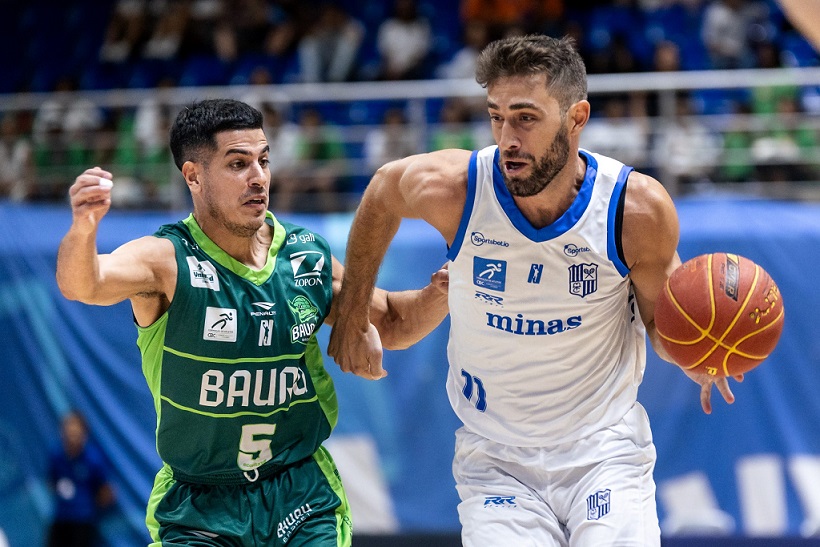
(307, 268)
(265, 308)
(305, 314)
(251, 388)
(220, 324)
(304, 238)
(493, 502)
(203, 274)
(535, 274)
(287, 526)
(531, 327)
(478, 239)
(571, 249)
(490, 274)
(598, 504)
(583, 279)
(490, 299)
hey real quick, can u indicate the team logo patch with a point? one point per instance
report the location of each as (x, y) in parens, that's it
(490, 274)
(598, 504)
(583, 279)
(203, 274)
(305, 314)
(307, 268)
(500, 501)
(220, 324)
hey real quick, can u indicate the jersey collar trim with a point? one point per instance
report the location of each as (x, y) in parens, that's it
(257, 277)
(565, 221)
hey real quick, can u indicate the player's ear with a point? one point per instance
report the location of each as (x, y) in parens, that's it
(578, 116)
(191, 174)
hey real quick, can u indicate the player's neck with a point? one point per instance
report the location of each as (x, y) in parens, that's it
(251, 250)
(555, 199)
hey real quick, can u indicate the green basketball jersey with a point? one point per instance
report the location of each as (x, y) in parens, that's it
(234, 367)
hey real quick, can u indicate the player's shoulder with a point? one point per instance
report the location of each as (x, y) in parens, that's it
(439, 163)
(646, 195)
(649, 216)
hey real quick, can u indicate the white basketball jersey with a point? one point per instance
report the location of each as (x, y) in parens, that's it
(546, 343)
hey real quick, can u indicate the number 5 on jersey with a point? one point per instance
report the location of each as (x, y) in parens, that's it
(474, 383)
(253, 450)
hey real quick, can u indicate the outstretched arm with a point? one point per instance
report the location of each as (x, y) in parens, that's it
(428, 186)
(399, 319)
(142, 269)
(650, 240)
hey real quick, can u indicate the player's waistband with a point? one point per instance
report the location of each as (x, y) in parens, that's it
(236, 478)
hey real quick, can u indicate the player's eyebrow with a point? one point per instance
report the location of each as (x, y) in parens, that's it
(245, 151)
(515, 106)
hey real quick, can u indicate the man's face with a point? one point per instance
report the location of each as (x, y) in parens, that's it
(530, 131)
(236, 181)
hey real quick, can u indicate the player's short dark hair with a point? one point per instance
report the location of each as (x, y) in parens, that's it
(536, 54)
(195, 128)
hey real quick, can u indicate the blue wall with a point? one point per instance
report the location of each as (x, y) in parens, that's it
(61, 354)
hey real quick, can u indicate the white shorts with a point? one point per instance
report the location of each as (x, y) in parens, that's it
(588, 493)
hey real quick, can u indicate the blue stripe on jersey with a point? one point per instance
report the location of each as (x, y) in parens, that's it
(565, 222)
(611, 248)
(472, 171)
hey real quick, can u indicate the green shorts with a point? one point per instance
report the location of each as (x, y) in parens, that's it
(304, 505)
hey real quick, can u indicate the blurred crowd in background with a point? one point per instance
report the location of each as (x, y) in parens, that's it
(323, 154)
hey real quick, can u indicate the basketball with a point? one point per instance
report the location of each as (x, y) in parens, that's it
(720, 314)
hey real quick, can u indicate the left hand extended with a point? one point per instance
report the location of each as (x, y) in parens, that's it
(705, 381)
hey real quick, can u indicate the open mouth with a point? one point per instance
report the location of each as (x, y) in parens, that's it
(514, 166)
(256, 201)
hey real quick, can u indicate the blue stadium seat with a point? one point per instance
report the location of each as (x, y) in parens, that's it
(204, 70)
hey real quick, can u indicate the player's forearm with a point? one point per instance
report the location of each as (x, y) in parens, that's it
(78, 266)
(371, 233)
(412, 315)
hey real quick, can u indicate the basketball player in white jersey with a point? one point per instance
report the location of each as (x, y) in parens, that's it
(556, 258)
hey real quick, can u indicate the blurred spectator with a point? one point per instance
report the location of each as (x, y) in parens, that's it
(284, 139)
(765, 99)
(462, 64)
(392, 140)
(685, 149)
(615, 58)
(318, 177)
(78, 476)
(453, 129)
(736, 161)
(125, 31)
(404, 42)
(726, 31)
(170, 20)
(16, 160)
(64, 135)
(784, 150)
(666, 57)
(201, 35)
(621, 132)
(327, 53)
(527, 16)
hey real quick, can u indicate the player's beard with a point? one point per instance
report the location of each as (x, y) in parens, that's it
(218, 214)
(543, 171)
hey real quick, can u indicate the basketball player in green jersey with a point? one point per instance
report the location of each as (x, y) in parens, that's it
(227, 303)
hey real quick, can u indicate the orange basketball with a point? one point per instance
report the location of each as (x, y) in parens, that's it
(719, 313)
